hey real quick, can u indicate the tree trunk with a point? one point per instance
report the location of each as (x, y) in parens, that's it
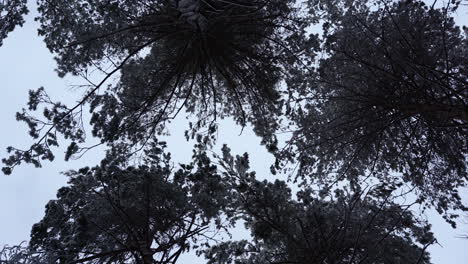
(147, 257)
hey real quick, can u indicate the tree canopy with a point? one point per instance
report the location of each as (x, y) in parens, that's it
(376, 107)
(145, 214)
(11, 16)
(211, 58)
(149, 214)
(345, 227)
(389, 97)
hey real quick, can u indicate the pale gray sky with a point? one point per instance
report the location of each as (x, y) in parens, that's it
(25, 64)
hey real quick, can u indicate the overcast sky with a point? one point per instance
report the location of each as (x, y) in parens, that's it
(26, 64)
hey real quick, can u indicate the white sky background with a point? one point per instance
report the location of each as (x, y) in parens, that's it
(25, 63)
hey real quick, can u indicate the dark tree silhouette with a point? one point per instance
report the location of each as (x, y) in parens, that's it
(146, 214)
(213, 58)
(21, 254)
(11, 15)
(387, 104)
(149, 214)
(390, 96)
(342, 228)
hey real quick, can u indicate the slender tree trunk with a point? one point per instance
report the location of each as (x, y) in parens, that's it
(146, 254)
(148, 259)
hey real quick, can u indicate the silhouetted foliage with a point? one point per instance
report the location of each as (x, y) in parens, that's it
(389, 97)
(211, 58)
(145, 214)
(21, 254)
(385, 108)
(11, 15)
(149, 214)
(343, 228)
